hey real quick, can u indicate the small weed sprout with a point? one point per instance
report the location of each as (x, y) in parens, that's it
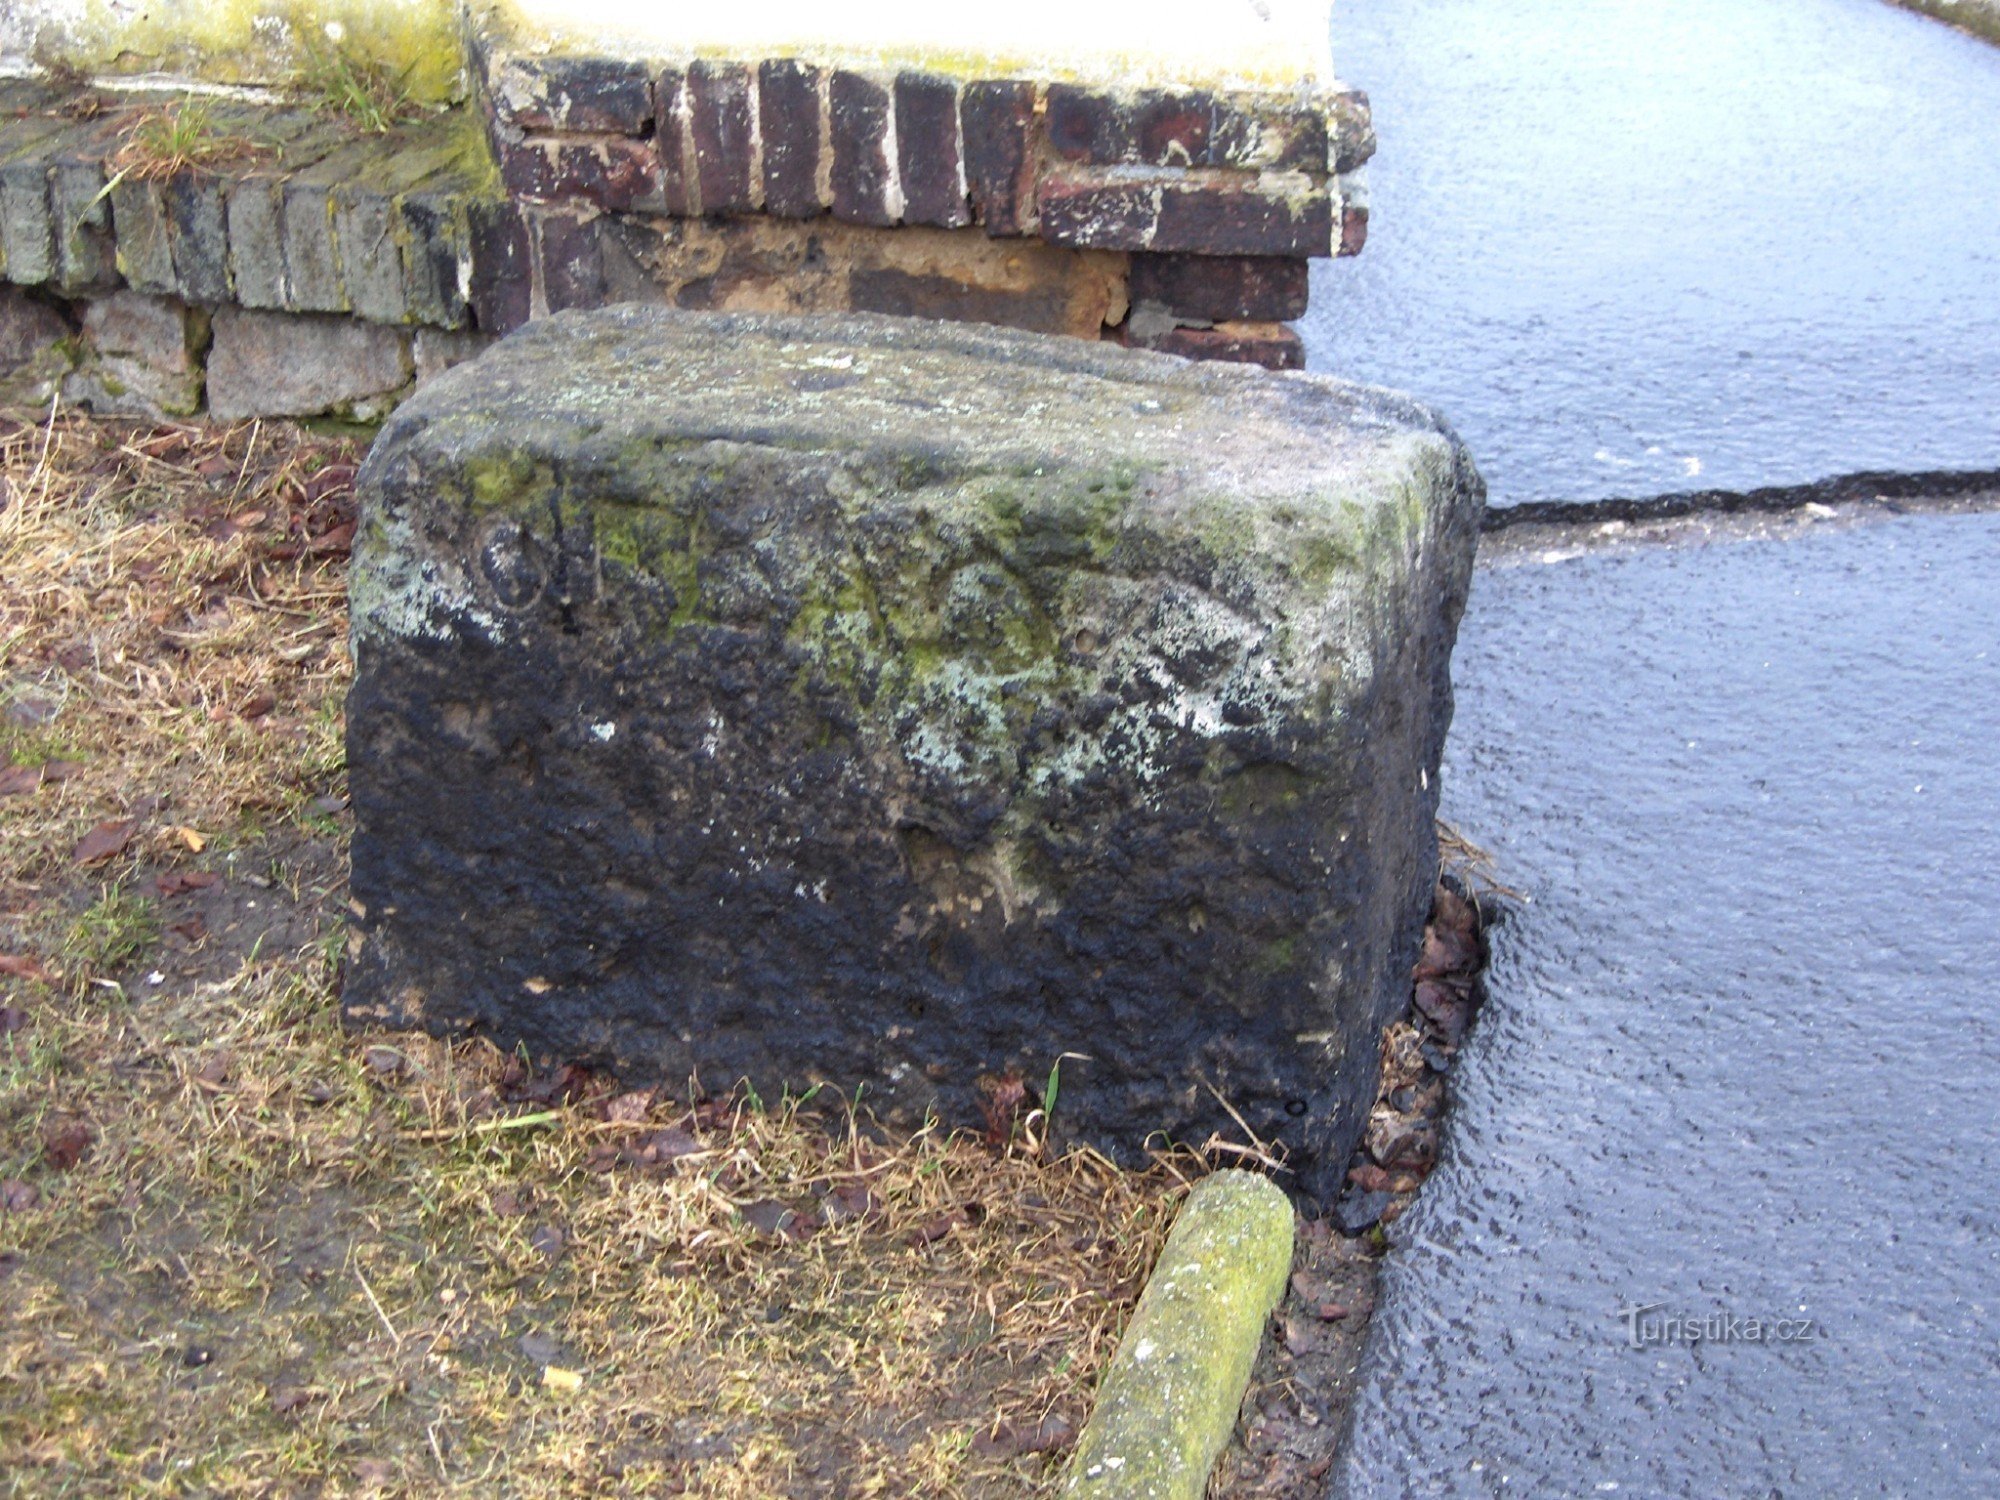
(111, 932)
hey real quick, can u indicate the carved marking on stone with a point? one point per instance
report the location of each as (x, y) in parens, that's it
(508, 566)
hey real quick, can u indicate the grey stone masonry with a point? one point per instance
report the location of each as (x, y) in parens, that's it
(892, 705)
(303, 212)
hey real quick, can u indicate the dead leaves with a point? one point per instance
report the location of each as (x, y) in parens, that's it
(179, 882)
(288, 1400)
(65, 1143)
(959, 1216)
(106, 841)
(1000, 1102)
(23, 966)
(1054, 1433)
(20, 781)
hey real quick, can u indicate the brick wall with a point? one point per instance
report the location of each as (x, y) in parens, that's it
(1177, 219)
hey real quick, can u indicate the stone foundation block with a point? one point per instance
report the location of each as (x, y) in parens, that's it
(872, 702)
(277, 365)
(37, 347)
(140, 357)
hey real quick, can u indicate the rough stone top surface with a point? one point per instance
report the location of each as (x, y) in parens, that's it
(962, 399)
(1237, 43)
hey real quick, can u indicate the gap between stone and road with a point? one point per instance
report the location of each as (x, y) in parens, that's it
(1869, 487)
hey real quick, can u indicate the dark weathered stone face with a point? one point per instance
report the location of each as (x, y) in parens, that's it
(889, 705)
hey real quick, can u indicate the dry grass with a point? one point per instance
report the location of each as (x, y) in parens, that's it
(175, 138)
(246, 1252)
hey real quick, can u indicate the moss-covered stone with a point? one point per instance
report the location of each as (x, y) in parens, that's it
(1169, 1401)
(884, 703)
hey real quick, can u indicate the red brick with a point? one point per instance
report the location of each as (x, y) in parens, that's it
(572, 261)
(998, 119)
(1216, 215)
(865, 189)
(609, 171)
(1097, 214)
(501, 280)
(679, 194)
(788, 116)
(1271, 345)
(1353, 229)
(1041, 309)
(1153, 126)
(579, 94)
(1218, 288)
(1262, 135)
(722, 114)
(1222, 218)
(927, 151)
(1353, 124)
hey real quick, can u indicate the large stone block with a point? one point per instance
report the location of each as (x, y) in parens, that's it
(279, 365)
(894, 704)
(139, 357)
(37, 349)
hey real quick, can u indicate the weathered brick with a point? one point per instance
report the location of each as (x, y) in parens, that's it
(1266, 135)
(998, 121)
(501, 284)
(606, 171)
(1042, 309)
(1272, 345)
(573, 93)
(1353, 228)
(80, 214)
(865, 187)
(722, 102)
(1353, 125)
(789, 101)
(27, 235)
(674, 141)
(571, 260)
(139, 221)
(1218, 218)
(928, 155)
(372, 229)
(1154, 127)
(435, 255)
(1216, 215)
(1097, 213)
(254, 209)
(1217, 288)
